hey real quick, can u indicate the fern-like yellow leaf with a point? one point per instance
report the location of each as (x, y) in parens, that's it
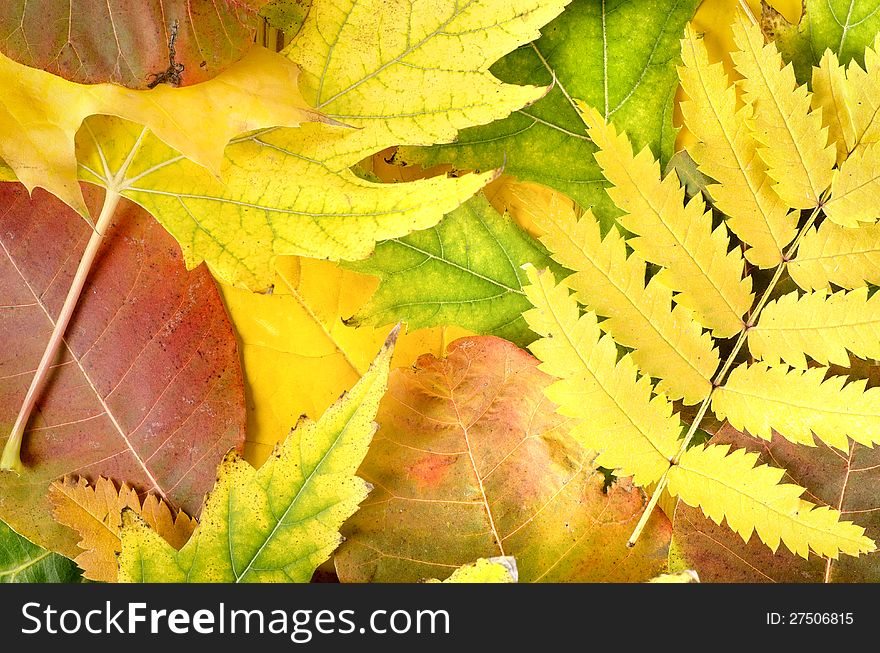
(797, 404)
(727, 485)
(855, 189)
(616, 415)
(821, 326)
(669, 233)
(832, 96)
(726, 151)
(794, 142)
(667, 344)
(848, 258)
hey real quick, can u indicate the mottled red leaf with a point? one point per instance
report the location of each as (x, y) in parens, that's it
(849, 482)
(148, 389)
(470, 461)
(125, 42)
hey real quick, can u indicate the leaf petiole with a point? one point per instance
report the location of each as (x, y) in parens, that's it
(11, 458)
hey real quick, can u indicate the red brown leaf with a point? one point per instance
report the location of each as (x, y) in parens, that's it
(471, 460)
(127, 42)
(148, 389)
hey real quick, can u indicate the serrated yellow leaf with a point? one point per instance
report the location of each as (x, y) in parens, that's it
(95, 512)
(634, 433)
(855, 189)
(410, 73)
(761, 398)
(291, 192)
(667, 344)
(822, 326)
(726, 151)
(299, 355)
(678, 237)
(40, 114)
(831, 96)
(837, 255)
(273, 201)
(727, 485)
(279, 522)
(794, 144)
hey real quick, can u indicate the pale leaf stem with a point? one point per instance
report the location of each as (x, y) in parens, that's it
(11, 458)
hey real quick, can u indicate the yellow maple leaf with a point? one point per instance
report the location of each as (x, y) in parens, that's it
(298, 353)
(40, 114)
(95, 512)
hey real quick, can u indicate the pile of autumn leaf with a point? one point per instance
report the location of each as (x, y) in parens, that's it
(701, 364)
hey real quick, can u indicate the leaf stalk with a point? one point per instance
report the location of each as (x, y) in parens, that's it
(11, 457)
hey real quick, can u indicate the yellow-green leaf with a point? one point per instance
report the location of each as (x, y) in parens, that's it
(299, 355)
(279, 522)
(501, 569)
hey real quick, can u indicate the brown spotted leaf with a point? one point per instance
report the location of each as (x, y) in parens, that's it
(129, 43)
(148, 389)
(847, 481)
(95, 512)
(472, 461)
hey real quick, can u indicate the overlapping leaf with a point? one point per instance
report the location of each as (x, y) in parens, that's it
(298, 353)
(22, 561)
(618, 55)
(465, 271)
(95, 512)
(41, 113)
(148, 386)
(279, 522)
(114, 41)
(843, 480)
(471, 442)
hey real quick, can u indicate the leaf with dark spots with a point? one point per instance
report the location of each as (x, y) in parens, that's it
(847, 481)
(148, 387)
(132, 44)
(471, 460)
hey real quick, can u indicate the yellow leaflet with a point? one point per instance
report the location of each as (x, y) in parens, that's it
(728, 485)
(822, 326)
(299, 355)
(272, 201)
(726, 152)
(832, 97)
(848, 258)
(667, 343)
(855, 189)
(676, 236)
(40, 114)
(635, 434)
(528, 202)
(760, 398)
(410, 73)
(794, 142)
